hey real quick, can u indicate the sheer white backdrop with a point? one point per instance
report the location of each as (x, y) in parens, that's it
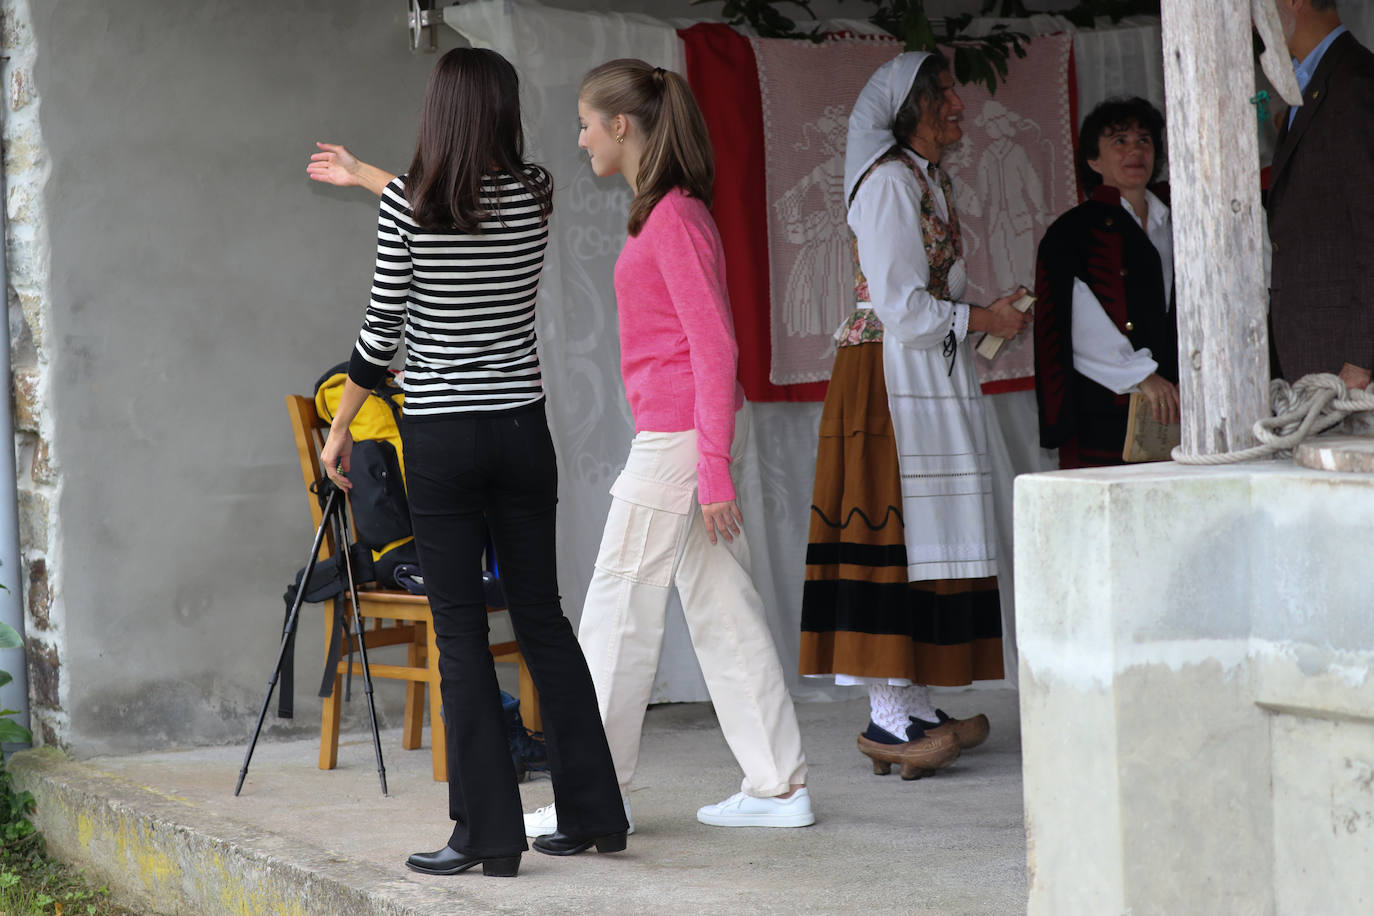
(552, 48)
(592, 427)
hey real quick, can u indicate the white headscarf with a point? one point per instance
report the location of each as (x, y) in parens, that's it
(870, 123)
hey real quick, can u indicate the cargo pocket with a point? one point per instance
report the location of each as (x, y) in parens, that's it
(644, 529)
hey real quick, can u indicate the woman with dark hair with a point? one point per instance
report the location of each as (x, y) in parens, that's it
(460, 247)
(1105, 324)
(901, 587)
(674, 519)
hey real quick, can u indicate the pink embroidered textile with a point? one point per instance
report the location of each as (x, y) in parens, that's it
(807, 91)
(1012, 175)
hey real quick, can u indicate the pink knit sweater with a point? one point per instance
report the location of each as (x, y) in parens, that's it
(677, 340)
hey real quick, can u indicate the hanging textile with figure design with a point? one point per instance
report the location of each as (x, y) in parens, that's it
(806, 95)
(1012, 175)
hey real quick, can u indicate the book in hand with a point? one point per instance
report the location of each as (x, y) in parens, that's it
(1146, 438)
(991, 343)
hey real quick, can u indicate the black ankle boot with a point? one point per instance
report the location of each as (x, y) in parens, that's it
(560, 844)
(448, 861)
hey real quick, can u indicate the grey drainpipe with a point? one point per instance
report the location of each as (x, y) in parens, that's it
(15, 694)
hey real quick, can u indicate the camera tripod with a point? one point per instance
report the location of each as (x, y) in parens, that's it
(333, 517)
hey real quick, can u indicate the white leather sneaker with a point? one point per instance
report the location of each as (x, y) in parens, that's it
(740, 810)
(543, 821)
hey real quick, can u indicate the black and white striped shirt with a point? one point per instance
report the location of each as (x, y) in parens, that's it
(465, 301)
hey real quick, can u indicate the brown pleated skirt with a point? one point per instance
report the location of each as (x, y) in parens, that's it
(860, 615)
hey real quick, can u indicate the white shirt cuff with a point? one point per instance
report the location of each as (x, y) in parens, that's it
(960, 321)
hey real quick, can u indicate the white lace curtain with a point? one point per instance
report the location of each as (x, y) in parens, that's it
(591, 423)
(1123, 58)
(553, 48)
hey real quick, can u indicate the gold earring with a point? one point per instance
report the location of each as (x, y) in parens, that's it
(620, 139)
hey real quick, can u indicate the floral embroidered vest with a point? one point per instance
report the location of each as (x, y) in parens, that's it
(943, 248)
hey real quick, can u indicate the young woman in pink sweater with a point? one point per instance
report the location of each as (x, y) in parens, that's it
(673, 520)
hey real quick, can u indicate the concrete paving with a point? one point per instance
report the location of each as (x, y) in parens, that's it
(165, 830)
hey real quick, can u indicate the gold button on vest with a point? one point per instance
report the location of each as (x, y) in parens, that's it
(1130, 326)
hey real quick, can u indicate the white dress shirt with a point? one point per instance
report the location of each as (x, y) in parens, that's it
(1100, 350)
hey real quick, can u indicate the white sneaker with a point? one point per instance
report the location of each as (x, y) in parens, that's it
(543, 821)
(740, 810)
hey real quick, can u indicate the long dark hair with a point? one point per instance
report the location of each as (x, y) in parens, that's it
(677, 148)
(469, 127)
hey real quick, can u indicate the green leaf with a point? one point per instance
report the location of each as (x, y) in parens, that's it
(5, 678)
(9, 637)
(918, 33)
(13, 733)
(983, 73)
(961, 65)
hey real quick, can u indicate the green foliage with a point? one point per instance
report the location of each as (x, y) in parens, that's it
(907, 20)
(1081, 14)
(985, 60)
(764, 17)
(15, 807)
(32, 884)
(975, 60)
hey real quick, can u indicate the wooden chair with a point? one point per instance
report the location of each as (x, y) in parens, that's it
(391, 617)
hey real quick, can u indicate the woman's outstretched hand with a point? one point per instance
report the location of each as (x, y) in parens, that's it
(334, 164)
(722, 518)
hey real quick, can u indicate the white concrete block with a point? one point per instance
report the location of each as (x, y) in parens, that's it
(1323, 791)
(1167, 618)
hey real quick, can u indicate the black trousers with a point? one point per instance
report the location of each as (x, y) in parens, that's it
(466, 475)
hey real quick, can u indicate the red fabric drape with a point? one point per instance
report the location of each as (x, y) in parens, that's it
(724, 79)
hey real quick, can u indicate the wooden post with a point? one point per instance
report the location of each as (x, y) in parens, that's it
(1223, 339)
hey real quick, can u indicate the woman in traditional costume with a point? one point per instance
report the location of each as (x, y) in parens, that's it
(1105, 322)
(901, 587)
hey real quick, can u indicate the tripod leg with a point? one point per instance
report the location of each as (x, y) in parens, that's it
(362, 648)
(289, 630)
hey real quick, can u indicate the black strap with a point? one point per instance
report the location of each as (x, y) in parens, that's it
(286, 691)
(338, 636)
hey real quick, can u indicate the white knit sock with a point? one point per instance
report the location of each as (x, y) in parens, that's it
(888, 708)
(918, 704)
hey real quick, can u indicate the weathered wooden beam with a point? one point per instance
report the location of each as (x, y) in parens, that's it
(1214, 180)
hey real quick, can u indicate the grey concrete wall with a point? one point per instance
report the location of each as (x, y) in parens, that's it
(196, 278)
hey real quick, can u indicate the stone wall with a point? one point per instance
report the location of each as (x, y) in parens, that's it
(27, 169)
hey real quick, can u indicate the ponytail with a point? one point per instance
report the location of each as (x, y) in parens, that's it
(677, 148)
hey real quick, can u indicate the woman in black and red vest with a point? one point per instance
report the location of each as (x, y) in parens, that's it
(1104, 314)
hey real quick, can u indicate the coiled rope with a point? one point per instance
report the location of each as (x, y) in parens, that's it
(1310, 406)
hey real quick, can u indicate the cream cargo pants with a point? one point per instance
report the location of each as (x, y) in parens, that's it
(655, 539)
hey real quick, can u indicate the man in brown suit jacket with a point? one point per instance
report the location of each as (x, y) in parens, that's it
(1321, 203)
